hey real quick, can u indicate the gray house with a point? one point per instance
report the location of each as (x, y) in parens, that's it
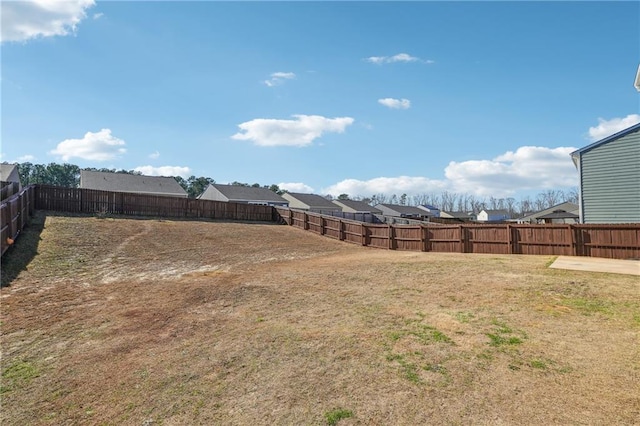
(243, 194)
(458, 216)
(125, 182)
(408, 212)
(609, 172)
(536, 216)
(310, 202)
(435, 212)
(352, 206)
(9, 173)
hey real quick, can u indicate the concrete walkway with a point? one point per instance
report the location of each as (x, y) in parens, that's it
(597, 264)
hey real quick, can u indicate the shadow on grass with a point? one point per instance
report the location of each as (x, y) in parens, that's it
(16, 259)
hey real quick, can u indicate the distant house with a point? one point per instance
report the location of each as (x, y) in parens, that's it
(125, 182)
(559, 216)
(310, 202)
(435, 212)
(458, 216)
(352, 206)
(536, 216)
(243, 194)
(609, 172)
(408, 212)
(493, 216)
(9, 174)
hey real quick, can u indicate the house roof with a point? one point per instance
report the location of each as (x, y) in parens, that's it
(358, 206)
(566, 206)
(427, 206)
(406, 210)
(248, 193)
(559, 214)
(6, 170)
(312, 200)
(577, 153)
(125, 182)
(460, 215)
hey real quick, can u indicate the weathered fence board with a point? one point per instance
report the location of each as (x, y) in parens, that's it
(619, 241)
(15, 212)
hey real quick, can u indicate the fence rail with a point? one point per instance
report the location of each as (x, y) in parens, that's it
(80, 200)
(617, 241)
(15, 212)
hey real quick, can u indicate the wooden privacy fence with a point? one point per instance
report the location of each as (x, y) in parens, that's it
(7, 189)
(15, 212)
(617, 241)
(80, 200)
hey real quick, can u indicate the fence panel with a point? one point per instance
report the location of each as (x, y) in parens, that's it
(380, 236)
(611, 241)
(544, 239)
(333, 227)
(15, 212)
(444, 239)
(486, 239)
(408, 237)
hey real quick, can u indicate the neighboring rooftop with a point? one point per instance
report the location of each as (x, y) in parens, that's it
(125, 182)
(8, 172)
(358, 206)
(248, 193)
(311, 200)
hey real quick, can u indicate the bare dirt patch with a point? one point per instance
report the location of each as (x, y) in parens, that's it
(126, 321)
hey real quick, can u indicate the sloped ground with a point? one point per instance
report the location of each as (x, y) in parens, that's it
(125, 321)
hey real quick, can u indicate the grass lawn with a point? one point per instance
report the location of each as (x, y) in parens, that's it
(125, 321)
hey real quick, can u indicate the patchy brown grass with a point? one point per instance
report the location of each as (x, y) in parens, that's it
(124, 321)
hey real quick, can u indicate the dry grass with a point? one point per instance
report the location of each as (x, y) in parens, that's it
(124, 321)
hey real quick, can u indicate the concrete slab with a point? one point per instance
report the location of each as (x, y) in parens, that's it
(597, 264)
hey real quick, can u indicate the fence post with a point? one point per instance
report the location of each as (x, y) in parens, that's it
(322, 230)
(391, 236)
(290, 217)
(306, 221)
(576, 241)
(425, 238)
(510, 239)
(363, 234)
(341, 234)
(462, 239)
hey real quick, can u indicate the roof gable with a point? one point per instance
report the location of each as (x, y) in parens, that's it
(577, 153)
(248, 193)
(407, 210)
(357, 205)
(8, 172)
(312, 200)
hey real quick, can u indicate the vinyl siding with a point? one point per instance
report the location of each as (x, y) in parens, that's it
(611, 181)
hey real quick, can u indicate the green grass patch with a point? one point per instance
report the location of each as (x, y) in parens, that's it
(589, 306)
(334, 416)
(503, 335)
(538, 363)
(17, 375)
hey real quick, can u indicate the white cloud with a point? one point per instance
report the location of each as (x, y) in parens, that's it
(528, 168)
(25, 20)
(400, 57)
(609, 127)
(385, 185)
(154, 155)
(296, 187)
(278, 78)
(99, 146)
(301, 131)
(98, 15)
(395, 103)
(184, 172)
(25, 158)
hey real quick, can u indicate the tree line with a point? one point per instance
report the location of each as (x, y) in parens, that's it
(68, 175)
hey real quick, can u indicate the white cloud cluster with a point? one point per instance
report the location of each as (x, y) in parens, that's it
(25, 158)
(154, 155)
(527, 168)
(385, 185)
(301, 131)
(400, 57)
(296, 187)
(184, 172)
(99, 146)
(278, 78)
(25, 20)
(395, 103)
(609, 127)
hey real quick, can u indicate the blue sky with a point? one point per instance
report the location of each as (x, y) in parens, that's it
(485, 98)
